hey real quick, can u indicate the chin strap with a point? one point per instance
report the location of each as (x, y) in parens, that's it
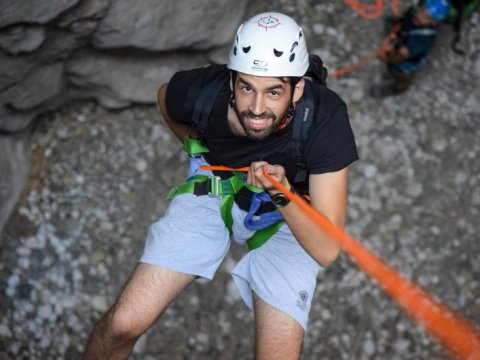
(232, 102)
(287, 119)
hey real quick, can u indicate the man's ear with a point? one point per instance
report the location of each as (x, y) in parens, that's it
(298, 91)
(231, 81)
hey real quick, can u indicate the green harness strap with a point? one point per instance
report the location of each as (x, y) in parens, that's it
(193, 146)
(226, 189)
(261, 236)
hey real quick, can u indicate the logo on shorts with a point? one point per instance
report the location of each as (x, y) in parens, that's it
(302, 300)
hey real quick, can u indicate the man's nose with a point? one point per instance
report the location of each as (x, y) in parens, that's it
(258, 105)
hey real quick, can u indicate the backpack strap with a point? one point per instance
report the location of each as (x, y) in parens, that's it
(304, 110)
(203, 106)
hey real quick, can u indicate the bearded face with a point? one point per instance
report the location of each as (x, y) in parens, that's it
(261, 104)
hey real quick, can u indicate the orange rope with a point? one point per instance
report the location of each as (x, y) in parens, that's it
(366, 10)
(454, 332)
(369, 11)
(380, 52)
(224, 168)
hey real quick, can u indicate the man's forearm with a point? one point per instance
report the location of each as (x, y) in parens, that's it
(323, 248)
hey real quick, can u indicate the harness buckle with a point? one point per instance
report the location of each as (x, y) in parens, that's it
(216, 188)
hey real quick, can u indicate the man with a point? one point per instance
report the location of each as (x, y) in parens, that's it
(409, 48)
(250, 125)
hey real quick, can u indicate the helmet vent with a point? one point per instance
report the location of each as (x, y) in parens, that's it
(246, 49)
(292, 57)
(235, 50)
(294, 45)
(300, 35)
(277, 53)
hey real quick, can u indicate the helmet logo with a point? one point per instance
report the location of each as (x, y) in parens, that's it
(260, 65)
(268, 22)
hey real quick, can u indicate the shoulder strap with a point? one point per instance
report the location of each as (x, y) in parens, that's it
(304, 110)
(207, 95)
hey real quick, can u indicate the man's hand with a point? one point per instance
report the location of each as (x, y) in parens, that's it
(397, 55)
(257, 178)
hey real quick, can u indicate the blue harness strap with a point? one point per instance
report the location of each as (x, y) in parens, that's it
(259, 222)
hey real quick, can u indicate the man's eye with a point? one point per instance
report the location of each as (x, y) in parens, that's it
(246, 89)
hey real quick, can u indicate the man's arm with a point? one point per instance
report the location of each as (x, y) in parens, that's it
(328, 195)
(180, 130)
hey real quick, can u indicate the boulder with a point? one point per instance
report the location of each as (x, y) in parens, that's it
(15, 168)
(168, 25)
(22, 39)
(32, 11)
(118, 80)
(40, 86)
(12, 121)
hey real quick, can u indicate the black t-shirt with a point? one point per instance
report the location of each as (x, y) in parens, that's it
(330, 145)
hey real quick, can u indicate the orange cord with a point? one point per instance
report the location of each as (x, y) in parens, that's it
(366, 10)
(454, 332)
(224, 168)
(369, 11)
(450, 329)
(380, 52)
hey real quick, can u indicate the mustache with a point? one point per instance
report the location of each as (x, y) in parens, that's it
(264, 115)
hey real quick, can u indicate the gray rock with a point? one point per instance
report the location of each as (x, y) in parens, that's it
(155, 25)
(86, 9)
(42, 85)
(117, 81)
(22, 39)
(15, 121)
(15, 168)
(13, 69)
(32, 11)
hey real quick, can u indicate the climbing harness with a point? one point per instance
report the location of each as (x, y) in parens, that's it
(265, 225)
(258, 222)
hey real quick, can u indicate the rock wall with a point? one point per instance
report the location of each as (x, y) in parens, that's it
(114, 51)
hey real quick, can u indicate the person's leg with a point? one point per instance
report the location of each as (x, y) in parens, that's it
(277, 281)
(277, 335)
(150, 290)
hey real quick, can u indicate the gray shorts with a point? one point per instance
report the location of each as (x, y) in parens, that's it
(192, 238)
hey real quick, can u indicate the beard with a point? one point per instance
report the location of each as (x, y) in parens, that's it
(258, 134)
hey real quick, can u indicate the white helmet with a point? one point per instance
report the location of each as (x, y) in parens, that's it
(269, 44)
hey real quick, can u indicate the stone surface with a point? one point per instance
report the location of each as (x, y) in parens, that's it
(22, 39)
(118, 80)
(32, 11)
(15, 162)
(153, 24)
(41, 86)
